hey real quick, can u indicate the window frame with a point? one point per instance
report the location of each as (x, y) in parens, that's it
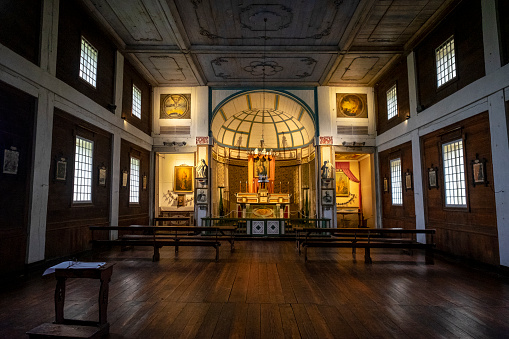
(392, 186)
(132, 102)
(395, 86)
(449, 140)
(131, 157)
(455, 77)
(96, 63)
(83, 202)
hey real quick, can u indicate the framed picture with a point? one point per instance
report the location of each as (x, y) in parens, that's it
(144, 182)
(433, 177)
(351, 105)
(183, 179)
(201, 196)
(11, 160)
(61, 170)
(479, 172)
(328, 197)
(102, 176)
(124, 178)
(181, 200)
(408, 180)
(386, 185)
(342, 184)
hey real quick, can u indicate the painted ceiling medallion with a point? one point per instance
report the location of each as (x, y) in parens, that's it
(175, 106)
(263, 68)
(278, 17)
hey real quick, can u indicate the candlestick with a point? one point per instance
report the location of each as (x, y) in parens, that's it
(280, 187)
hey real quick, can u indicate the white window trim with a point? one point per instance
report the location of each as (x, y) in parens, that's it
(84, 73)
(135, 88)
(449, 63)
(461, 176)
(393, 103)
(134, 181)
(396, 183)
(78, 181)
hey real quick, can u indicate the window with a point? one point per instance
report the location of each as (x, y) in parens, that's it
(134, 181)
(392, 103)
(396, 188)
(136, 102)
(454, 174)
(446, 62)
(88, 62)
(83, 170)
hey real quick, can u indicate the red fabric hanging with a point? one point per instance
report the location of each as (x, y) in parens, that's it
(345, 167)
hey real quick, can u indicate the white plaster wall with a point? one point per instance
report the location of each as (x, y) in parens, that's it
(167, 163)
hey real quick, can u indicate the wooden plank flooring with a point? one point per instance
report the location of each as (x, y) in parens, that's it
(265, 290)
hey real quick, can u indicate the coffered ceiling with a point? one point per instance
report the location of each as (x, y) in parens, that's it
(227, 43)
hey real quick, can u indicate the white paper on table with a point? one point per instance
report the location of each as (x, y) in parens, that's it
(76, 265)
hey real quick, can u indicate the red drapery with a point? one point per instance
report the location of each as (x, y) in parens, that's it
(345, 167)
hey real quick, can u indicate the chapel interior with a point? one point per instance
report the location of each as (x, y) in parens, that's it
(264, 115)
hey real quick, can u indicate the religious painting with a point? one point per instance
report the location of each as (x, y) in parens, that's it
(350, 105)
(261, 167)
(144, 181)
(328, 197)
(386, 185)
(102, 176)
(201, 196)
(61, 170)
(408, 180)
(11, 159)
(183, 179)
(432, 177)
(175, 106)
(124, 178)
(181, 200)
(342, 184)
(479, 171)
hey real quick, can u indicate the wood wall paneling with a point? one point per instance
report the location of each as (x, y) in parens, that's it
(67, 223)
(465, 23)
(74, 22)
(398, 75)
(20, 27)
(469, 232)
(130, 214)
(394, 215)
(17, 112)
(132, 77)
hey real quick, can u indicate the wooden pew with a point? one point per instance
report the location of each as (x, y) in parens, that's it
(366, 238)
(159, 236)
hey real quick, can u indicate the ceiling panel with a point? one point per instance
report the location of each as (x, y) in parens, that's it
(359, 69)
(168, 69)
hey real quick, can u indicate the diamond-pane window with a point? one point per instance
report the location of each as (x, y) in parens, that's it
(134, 181)
(392, 103)
(83, 170)
(88, 62)
(396, 188)
(136, 102)
(446, 62)
(454, 174)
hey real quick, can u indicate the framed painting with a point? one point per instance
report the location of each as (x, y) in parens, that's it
(328, 197)
(11, 159)
(181, 200)
(183, 179)
(351, 105)
(201, 196)
(433, 177)
(408, 180)
(61, 170)
(342, 184)
(479, 172)
(386, 185)
(102, 176)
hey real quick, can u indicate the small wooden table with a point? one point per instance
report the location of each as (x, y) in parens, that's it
(77, 328)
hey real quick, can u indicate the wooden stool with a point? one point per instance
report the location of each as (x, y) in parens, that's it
(71, 328)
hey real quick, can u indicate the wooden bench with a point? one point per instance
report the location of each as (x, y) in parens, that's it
(366, 238)
(159, 236)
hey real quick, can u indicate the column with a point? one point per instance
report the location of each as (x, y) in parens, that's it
(40, 182)
(115, 183)
(500, 157)
(492, 60)
(420, 220)
(49, 36)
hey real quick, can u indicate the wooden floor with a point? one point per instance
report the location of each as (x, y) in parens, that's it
(265, 290)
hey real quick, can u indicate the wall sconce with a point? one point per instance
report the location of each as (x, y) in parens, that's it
(407, 116)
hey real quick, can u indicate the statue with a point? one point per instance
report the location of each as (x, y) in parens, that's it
(326, 170)
(201, 169)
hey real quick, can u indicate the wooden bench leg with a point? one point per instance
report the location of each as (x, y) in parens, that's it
(217, 252)
(156, 256)
(305, 253)
(367, 256)
(430, 259)
(59, 300)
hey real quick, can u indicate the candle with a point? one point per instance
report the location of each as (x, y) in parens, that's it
(280, 187)
(240, 186)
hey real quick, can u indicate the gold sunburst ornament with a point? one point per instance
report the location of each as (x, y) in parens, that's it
(175, 106)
